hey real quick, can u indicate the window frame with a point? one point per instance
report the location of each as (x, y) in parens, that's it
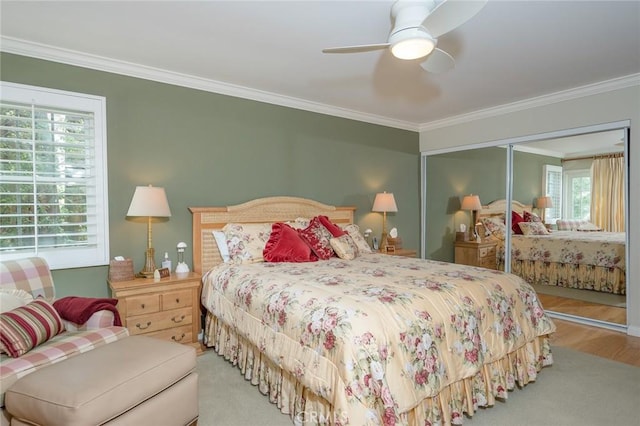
(72, 257)
(567, 177)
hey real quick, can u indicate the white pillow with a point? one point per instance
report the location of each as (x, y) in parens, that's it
(12, 298)
(221, 241)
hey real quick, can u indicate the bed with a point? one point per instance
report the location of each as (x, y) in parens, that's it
(376, 339)
(584, 259)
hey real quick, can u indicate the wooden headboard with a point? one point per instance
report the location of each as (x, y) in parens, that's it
(499, 207)
(261, 210)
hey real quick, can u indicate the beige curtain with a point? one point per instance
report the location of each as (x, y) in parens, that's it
(607, 193)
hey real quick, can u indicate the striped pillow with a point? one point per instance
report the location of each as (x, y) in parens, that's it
(24, 328)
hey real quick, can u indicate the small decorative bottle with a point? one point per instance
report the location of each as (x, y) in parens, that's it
(166, 263)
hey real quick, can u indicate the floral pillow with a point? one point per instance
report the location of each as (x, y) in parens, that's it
(533, 228)
(318, 237)
(246, 241)
(495, 226)
(28, 326)
(354, 232)
(345, 247)
(531, 217)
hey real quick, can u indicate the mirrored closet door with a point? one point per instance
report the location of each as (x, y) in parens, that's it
(574, 188)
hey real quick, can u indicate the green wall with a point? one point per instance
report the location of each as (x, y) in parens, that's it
(482, 171)
(208, 149)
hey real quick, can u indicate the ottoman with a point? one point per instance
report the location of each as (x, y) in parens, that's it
(137, 380)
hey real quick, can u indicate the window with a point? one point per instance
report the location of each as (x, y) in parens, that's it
(552, 184)
(577, 187)
(53, 176)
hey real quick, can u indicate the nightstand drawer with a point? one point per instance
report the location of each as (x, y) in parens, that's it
(487, 251)
(487, 262)
(145, 304)
(176, 299)
(159, 321)
(178, 334)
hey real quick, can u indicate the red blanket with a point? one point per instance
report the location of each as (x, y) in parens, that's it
(80, 309)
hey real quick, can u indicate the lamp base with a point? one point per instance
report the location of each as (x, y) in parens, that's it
(149, 264)
(383, 242)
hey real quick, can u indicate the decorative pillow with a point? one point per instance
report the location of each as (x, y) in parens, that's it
(286, 245)
(335, 230)
(300, 223)
(515, 220)
(531, 217)
(12, 298)
(24, 328)
(221, 242)
(246, 241)
(354, 232)
(588, 227)
(495, 226)
(317, 236)
(533, 228)
(345, 247)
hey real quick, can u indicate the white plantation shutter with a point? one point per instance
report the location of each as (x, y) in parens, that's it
(552, 184)
(53, 176)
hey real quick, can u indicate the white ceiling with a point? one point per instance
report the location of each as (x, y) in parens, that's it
(271, 51)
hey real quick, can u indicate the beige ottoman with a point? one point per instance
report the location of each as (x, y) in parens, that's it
(137, 380)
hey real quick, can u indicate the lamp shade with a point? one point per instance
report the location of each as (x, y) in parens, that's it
(384, 202)
(149, 201)
(471, 202)
(544, 202)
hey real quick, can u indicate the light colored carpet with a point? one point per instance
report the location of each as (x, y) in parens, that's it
(578, 390)
(617, 300)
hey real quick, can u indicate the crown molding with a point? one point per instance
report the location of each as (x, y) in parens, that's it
(101, 63)
(565, 95)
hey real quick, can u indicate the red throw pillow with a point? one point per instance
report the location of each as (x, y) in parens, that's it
(515, 220)
(285, 245)
(318, 237)
(335, 230)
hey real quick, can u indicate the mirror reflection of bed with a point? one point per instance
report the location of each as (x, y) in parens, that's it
(588, 276)
(483, 171)
(578, 271)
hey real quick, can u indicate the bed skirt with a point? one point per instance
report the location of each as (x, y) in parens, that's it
(586, 277)
(448, 407)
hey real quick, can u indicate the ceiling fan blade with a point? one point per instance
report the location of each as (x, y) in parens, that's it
(450, 14)
(356, 49)
(438, 61)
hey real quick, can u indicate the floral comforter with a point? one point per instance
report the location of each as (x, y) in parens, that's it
(376, 335)
(605, 249)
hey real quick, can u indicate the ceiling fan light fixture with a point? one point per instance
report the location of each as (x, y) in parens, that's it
(412, 48)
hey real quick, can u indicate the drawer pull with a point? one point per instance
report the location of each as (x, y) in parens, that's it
(142, 305)
(140, 327)
(177, 300)
(175, 339)
(178, 320)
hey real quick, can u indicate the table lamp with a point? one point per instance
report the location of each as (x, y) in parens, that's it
(472, 202)
(384, 202)
(149, 201)
(543, 203)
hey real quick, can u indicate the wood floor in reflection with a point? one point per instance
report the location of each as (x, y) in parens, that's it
(596, 341)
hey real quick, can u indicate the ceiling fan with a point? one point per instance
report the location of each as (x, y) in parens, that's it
(417, 26)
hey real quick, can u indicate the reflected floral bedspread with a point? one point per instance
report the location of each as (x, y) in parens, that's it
(605, 249)
(376, 335)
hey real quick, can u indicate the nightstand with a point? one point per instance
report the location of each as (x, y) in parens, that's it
(401, 252)
(474, 253)
(168, 308)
